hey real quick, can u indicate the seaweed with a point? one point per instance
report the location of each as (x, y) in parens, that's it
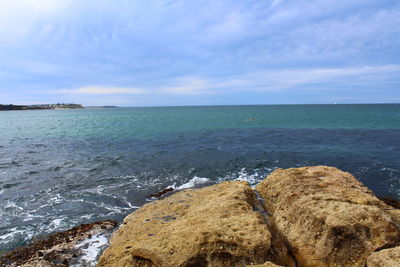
(24, 254)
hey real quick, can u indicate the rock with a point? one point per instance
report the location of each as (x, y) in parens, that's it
(266, 264)
(391, 202)
(162, 192)
(63, 248)
(385, 258)
(327, 217)
(213, 226)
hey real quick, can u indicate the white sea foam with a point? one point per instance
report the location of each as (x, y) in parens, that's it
(6, 236)
(59, 223)
(250, 178)
(129, 203)
(11, 204)
(253, 177)
(195, 181)
(15, 232)
(91, 249)
(57, 199)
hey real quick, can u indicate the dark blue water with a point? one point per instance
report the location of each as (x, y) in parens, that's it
(60, 168)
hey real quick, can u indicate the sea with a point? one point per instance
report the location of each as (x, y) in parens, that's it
(61, 168)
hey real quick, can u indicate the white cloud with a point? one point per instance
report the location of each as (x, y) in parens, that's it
(187, 85)
(103, 90)
(259, 81)
(194, 48)
(10, 9)
(295, 79)
(20, 19)
(232, 26)
(275, 3)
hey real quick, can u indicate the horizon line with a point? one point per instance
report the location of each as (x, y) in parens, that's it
(216, 105)
(230, 105)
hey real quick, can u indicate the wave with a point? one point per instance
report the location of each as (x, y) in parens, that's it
(194, 182)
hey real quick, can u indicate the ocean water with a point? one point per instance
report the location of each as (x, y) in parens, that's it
(61, 168)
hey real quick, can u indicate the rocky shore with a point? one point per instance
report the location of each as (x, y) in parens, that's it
(309, 216)
(78, 246)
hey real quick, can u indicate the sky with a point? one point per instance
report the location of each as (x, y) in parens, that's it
(199, 52)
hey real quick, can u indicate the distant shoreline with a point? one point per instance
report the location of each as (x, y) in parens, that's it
(40, 107)
(95, 107)
(9, 107)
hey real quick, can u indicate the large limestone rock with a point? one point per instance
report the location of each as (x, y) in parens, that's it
(385, 258)
(213, 226)
(327, 216)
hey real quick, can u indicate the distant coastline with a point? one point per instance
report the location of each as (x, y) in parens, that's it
(40, 107)
(93, 107)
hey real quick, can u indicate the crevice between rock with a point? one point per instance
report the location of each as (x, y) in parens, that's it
(279, 244)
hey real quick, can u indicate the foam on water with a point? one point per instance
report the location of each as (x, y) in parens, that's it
(194, 182)
(252, 177)
(6, 236)
(57, 211)
(58, 223)
(91, 249)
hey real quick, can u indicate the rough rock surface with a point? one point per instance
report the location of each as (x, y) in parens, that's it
(266, 264)
(385, 258)
(213, 226)
(327, 217)
(63, 248)
(391, 202)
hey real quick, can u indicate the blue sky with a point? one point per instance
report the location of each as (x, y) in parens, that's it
(146, 53)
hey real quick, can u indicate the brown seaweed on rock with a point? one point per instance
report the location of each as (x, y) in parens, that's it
(391, 202)
(162, 192)
(42, 250)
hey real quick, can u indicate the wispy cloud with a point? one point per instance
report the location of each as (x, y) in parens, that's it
(102, 90)
(259, 81)
(188, 85)
(97, 50)
(330, 78)
(287, 80)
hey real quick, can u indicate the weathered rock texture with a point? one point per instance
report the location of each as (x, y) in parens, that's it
(214, 226)
(385, 258)
(327, 217)
(266, 264)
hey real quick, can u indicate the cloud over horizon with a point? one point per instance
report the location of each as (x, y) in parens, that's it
(199, 52)
(102, 90)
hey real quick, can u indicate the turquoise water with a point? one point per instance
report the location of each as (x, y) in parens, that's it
(60, 168)
(144, 123)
